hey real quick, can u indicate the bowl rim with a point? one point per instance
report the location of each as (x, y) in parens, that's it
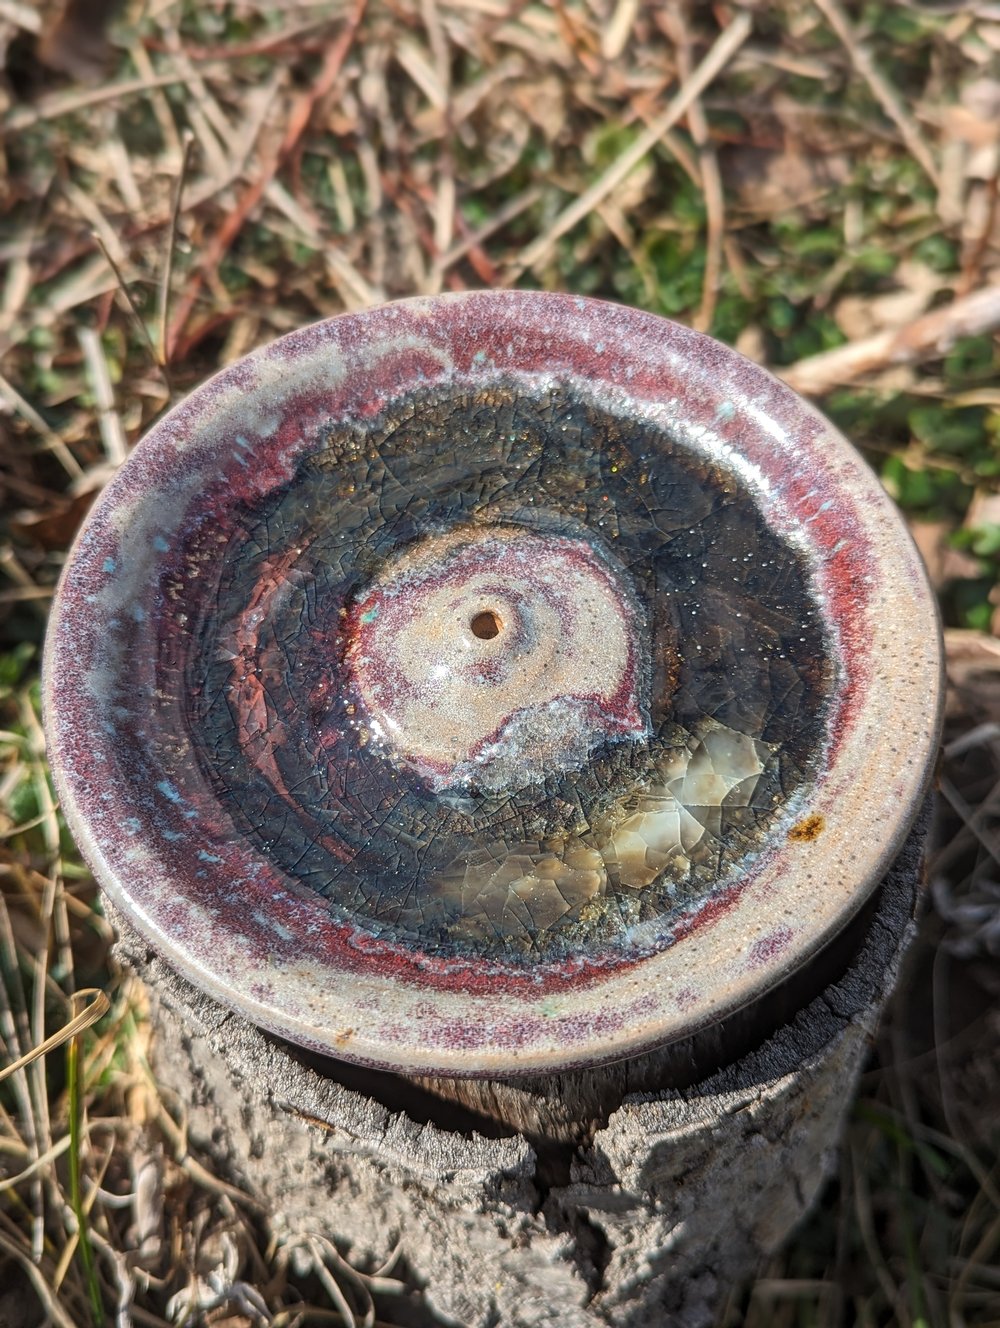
(411, 1013)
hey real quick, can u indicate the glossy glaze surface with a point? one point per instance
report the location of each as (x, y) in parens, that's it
(491, 683)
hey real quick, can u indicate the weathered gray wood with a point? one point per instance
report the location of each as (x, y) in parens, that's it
(634, 1195)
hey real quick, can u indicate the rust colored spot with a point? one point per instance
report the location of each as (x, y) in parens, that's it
(343, 1036)
(318, 1121)
(805, 831)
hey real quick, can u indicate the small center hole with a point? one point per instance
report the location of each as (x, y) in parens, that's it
(486, 625)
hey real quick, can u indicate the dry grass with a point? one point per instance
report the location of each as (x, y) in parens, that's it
(818, 184)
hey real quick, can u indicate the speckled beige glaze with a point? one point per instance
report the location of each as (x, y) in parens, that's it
(444, 700)
(205, 902)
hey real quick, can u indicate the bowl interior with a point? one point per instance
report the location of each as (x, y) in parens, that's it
(491, 683)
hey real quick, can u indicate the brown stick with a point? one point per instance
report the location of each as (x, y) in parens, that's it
(933, 334)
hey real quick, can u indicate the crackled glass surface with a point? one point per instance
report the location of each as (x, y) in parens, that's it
(499, 672)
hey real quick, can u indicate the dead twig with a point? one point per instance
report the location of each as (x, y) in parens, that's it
(711, 181)
(66, 103)
(933, 334)
(39, 1282)
(163, 294)
(723, 49)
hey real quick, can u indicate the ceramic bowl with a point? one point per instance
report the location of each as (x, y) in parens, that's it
(492, 683)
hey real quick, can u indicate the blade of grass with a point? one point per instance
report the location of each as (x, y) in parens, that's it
(15, 1037)
(76, 1189)
(133, 308)
(11, 397)
(96, 1010)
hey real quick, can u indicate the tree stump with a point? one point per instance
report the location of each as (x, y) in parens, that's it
(633, 1195)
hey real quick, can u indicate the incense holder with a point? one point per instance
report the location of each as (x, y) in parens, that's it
(491, 684)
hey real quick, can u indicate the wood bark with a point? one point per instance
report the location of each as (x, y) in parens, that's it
(634, 1195)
